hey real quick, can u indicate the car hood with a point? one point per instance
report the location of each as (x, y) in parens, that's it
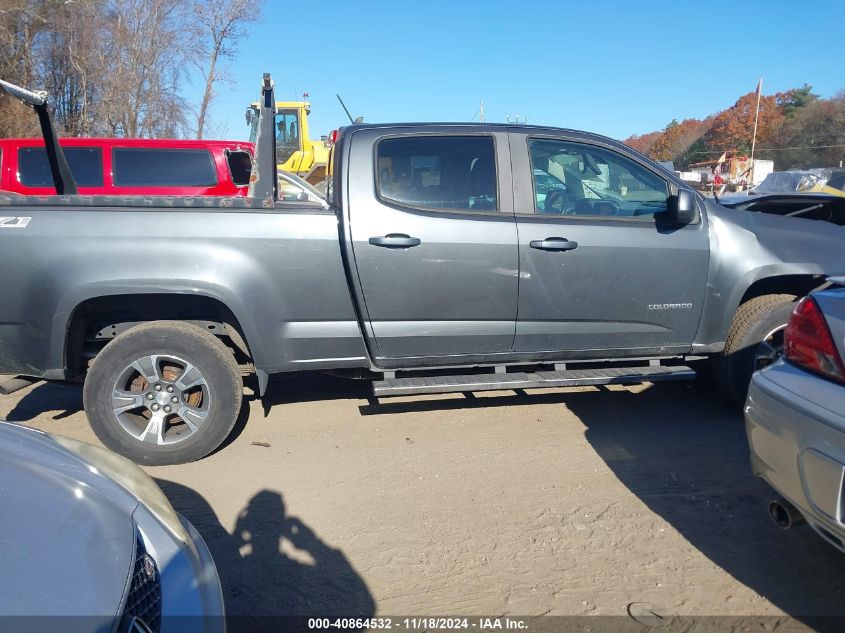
(66, 533)
(814, 244)
(737, 200)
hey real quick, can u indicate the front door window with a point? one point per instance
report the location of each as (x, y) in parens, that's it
(577, 179)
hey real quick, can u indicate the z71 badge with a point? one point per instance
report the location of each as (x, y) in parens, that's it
(14, 223)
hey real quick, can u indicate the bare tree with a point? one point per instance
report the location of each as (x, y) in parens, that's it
(70, 67)
(117, 67)
(220, 24)
(142, 68)
(114, 67)
(21, 22)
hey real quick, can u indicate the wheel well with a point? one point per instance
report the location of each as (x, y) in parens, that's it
(95, 321)
(798, 285)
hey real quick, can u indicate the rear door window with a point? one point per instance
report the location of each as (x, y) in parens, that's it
(147, 167)
(438, 172)
(86, 166)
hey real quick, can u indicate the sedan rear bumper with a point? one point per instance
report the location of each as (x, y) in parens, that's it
(796, 432)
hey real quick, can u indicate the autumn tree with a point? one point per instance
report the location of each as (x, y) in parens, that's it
(733, 128)
(796, 128)
(643, 142)
(791, 101)
(676, 139)
(813, 137)
(673, 142)
(661, 148)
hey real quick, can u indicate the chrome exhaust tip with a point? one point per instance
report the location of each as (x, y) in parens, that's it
(784, 514)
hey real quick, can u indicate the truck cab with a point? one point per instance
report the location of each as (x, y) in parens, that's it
(501, 263)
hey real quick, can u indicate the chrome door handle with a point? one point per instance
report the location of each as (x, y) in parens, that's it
(395, 240)
(554, 244)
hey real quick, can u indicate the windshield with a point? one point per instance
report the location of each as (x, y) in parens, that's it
(287, 132)
(291, 184)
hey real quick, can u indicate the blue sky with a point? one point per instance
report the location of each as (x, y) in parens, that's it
(616, 68)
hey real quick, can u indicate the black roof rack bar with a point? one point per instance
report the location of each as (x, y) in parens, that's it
(62, 177)
(27, 96)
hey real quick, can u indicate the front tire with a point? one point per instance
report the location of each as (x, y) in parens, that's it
(163, 392)
(755, 339)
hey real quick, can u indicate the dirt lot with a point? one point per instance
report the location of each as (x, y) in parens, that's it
(567, 502)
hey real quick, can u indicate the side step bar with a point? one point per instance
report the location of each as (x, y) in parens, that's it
(530, 380)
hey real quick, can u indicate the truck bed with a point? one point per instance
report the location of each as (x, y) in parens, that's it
(279, 270)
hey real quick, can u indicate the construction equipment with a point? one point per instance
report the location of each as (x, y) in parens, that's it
(295, 151)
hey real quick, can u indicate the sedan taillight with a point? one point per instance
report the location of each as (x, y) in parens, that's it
(808, 343)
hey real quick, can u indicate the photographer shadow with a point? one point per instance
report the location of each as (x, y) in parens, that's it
(274, 570)
(65, 399)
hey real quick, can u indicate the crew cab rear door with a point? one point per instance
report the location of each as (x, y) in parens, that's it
(433, 239)
(599, 276)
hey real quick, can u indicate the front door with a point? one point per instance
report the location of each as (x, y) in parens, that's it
(434, 242)
(599, 276)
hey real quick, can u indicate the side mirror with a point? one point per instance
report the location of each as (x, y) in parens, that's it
(681, 208)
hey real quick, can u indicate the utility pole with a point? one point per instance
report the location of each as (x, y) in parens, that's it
(754, 136)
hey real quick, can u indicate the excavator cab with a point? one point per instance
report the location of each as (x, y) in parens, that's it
(295, 151)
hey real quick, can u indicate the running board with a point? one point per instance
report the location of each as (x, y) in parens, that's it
(530, 380)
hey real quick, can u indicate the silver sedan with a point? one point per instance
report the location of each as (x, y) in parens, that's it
(795, 418)
(89, 542)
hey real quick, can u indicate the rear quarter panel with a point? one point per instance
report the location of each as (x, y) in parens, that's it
(280, 273)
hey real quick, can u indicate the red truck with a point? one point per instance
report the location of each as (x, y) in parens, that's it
(118, 166)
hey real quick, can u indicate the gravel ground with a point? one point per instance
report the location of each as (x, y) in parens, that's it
(567, 502)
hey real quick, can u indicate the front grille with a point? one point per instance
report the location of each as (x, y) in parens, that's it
(144, 599)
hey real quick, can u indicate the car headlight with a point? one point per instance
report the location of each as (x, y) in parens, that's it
(131, 478)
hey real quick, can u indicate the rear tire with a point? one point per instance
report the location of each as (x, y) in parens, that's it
(163, 392)
(755, 339)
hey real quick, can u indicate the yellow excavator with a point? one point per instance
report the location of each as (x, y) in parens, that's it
(295, 151)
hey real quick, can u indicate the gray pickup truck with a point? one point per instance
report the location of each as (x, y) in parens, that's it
(447, 258)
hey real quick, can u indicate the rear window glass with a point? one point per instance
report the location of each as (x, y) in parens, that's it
(240, 165)
(86, 166)
(837, 182)
(438, 172)
(147, 167)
